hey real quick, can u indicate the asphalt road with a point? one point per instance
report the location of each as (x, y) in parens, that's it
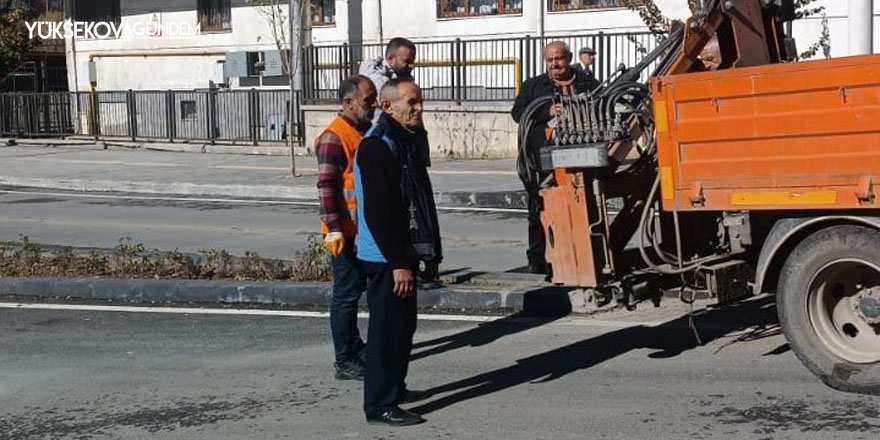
(103, 375)
(488, 241)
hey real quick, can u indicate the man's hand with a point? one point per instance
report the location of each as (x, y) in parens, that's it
(334, 242)
(404, 284)
(555, 110)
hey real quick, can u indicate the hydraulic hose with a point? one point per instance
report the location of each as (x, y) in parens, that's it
(527, 164)
(692, 265)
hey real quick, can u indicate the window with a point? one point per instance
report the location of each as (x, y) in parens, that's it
(467, 8)
(188, 110)
(215, 15)
(256, 65)
(90, 10)
(35, 6)
(323, 12)
(571, 5)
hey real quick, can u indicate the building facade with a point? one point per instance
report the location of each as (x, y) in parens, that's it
(237, 34)
(44, 68)
(474, 55)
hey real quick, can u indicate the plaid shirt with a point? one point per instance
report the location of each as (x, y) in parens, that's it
(331, 164)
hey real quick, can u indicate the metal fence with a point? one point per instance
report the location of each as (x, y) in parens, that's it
(455, 70)
(248, 116)
(471, 70)
(36, 76)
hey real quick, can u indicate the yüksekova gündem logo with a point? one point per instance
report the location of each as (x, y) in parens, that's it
(102, 30)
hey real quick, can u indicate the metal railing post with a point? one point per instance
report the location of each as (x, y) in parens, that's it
(306, 68)
(252, 116)
(96, 114)
(169, 116)
(45, 110)
(132, 114)
(300, 130)
(313, 74)
(29, 119)
(463, 70)
(348, 51)
(342, 67)
(211, 104)
(605, 66)
(4, 114)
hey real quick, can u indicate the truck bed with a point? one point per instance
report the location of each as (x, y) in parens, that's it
(783, 136)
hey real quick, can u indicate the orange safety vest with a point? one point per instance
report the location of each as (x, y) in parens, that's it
(347, 208)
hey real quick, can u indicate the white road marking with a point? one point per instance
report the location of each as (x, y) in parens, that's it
(244, 201)
(315, 170)
(154, 164)
(584, 321)
(473, 172)
(208, 311)
(249, 167)
(261, 168)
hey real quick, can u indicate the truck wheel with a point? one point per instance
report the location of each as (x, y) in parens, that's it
(829, 306)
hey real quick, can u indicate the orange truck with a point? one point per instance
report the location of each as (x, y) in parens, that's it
(759, 177)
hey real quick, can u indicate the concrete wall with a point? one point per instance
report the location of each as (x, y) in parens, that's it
(467, 131)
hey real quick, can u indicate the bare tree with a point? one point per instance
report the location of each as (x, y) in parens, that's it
(659, 24)
(285, 21)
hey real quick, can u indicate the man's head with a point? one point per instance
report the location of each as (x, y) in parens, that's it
(401, 99)
(711, 54)
(587, 56)
(358, 97)
(557, 59)
(400, 54)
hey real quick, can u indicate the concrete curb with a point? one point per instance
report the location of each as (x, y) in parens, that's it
(166, 188)
(234, 292)
(158, 145)
(489, 200)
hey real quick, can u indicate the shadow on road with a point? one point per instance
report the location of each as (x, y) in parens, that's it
(540, 307)
(669, 340)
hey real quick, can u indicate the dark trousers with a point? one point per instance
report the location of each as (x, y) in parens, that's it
(349, 283)
(392, 325)
(535, 252)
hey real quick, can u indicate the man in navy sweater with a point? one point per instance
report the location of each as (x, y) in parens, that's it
(397, 227)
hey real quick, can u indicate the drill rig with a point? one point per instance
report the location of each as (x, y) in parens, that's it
(756, 177)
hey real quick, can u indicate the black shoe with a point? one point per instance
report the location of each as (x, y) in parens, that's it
(410, 396)
(537, 267)
(396, 417)
(349, 370)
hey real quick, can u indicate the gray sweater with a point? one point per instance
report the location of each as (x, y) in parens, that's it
(378, 71)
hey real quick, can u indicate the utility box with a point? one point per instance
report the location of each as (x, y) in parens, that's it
(90, 73)
(235, 65)
(274, 63)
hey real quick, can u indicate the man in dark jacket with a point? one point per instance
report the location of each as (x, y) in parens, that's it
(561, 79)
(397, 227)
(585, 61)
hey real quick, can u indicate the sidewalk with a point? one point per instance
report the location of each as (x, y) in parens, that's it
(88, 167)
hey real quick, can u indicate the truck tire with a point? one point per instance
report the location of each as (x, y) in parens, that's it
(820, 289)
